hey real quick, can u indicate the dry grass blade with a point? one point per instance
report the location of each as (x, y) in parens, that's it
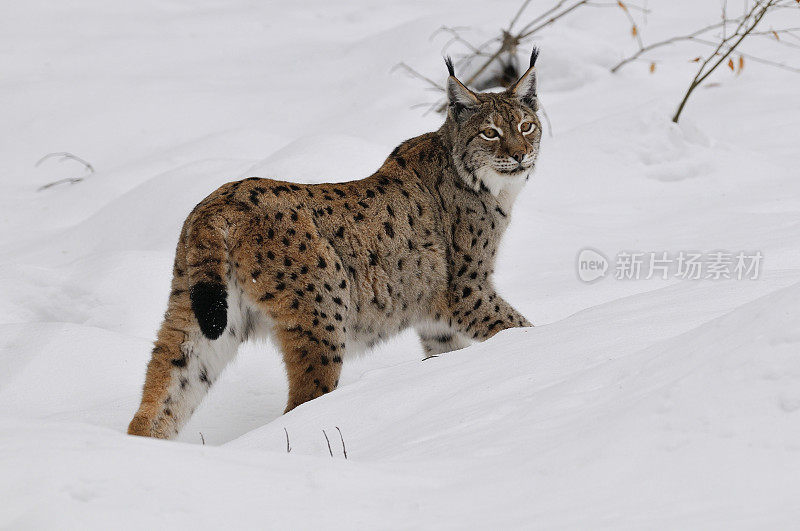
(344, 448)
(330, 451)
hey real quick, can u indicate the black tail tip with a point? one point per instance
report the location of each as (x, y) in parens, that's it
(210, 307)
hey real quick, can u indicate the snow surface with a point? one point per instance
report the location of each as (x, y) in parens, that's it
(633, 404)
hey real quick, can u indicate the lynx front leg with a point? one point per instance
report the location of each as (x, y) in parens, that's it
(479, 312)
(440, 339)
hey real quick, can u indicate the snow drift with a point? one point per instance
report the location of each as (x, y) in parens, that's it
(649, 403)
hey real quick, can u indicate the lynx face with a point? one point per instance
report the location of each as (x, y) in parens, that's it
(507, 141)
(495, 136)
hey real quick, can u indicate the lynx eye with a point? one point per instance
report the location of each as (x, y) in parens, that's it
(526, 127)
(489, 133)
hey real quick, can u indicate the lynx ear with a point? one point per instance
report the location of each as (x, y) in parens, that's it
(525, 89)
(458, 96)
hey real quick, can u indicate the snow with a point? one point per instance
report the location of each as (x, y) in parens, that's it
(639, 403)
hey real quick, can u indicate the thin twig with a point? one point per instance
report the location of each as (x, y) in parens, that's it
(328, 441)
(634, 27)
(725, 19)
(642, 10)
(417, 75)
(756, 58)
(70, 180)
(202, 439)
(519, 12)
(288, 446)
(546, 119)
(64, 156)
(693, 38)
(552, 19)
(344, 449)
(775, 35)
(455, 37)
(544, 15)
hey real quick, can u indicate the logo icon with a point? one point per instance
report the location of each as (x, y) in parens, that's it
(592, 265)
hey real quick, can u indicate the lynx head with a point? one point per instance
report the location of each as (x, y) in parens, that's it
(494, 136)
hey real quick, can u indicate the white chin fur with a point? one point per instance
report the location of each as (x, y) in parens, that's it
(498, 183)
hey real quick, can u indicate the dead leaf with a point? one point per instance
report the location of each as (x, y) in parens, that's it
(695, 60)
(634, 31)
(624, 7)
(741, 65)
(775, 33)
(652, 67)
(730, 65)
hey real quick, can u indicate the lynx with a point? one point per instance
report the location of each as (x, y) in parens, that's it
(329, 270)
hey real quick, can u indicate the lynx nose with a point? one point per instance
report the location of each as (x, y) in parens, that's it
(518, 156)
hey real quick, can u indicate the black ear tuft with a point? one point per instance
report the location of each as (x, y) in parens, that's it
(534, 56)
(450, 68)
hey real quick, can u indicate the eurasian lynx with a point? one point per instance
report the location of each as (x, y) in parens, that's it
(329, 269)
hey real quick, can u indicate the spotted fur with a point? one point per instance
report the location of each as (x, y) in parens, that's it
(328, 270)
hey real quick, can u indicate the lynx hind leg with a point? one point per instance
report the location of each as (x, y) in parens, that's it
(438, 338)
(299, 284)
(185, 364)
(309, 328)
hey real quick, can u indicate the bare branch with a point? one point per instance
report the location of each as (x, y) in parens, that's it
(665, 42)
(696, 36)
(506, 44)
(745, 27)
